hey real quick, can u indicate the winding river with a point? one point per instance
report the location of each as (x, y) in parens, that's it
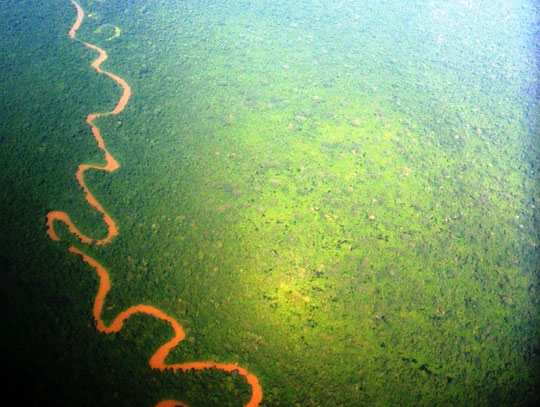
(157, 360)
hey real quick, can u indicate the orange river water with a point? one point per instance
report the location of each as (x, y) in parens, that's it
(157, 361)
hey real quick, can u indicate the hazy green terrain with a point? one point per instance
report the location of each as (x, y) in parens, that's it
(341, 197)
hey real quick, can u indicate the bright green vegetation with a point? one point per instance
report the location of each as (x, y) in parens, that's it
(342, 199)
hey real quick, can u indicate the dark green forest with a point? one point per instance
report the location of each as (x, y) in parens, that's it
(340, 197)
